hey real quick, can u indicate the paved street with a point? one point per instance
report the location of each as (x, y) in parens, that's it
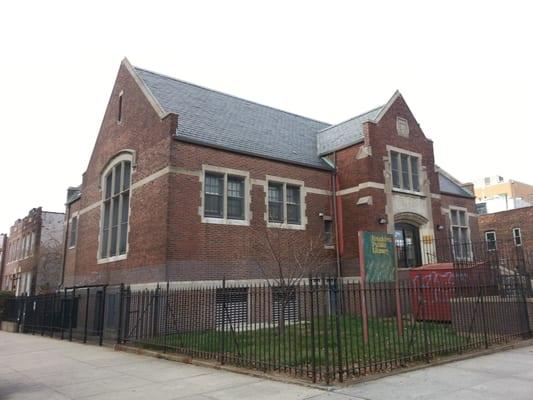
(32, 367)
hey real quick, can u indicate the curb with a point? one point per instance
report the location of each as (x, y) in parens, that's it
(289, 379)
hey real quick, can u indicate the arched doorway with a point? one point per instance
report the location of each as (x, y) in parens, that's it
(407, 240)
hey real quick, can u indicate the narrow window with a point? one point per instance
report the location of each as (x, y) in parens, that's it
(73, 232)
(406, 184)
(517, 237)
(293, 204)
(235, 197)
(275, 202)
(460, 235)
(119, 116)
(490, 238)
(328, 232)
(395, 164)
(414, 174)
(214, 195)
(115, 212)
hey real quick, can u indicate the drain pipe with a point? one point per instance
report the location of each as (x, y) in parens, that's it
(65, 244)
(337, 208)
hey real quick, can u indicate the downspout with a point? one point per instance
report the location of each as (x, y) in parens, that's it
(337, 214)
(65, 244)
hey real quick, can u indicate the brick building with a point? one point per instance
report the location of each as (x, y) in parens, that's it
(512, 227)
(34, 253)
(184, 183)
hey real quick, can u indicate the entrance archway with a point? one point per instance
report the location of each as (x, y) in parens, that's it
(407, 240)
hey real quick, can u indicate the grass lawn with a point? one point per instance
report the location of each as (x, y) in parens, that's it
(326, 341)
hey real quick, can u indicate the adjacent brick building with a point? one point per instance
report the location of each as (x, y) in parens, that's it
(3, 248)
(512, 227)
(34, 253)
(186, 183)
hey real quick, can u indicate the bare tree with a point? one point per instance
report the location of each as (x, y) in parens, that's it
(284, 258)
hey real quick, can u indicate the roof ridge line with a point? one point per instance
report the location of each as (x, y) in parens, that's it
(351, 119)
(230, 95)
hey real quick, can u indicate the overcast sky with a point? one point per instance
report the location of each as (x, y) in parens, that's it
(465, 69)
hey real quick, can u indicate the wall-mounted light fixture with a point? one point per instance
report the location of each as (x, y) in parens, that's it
(382, 221)
(440, 227)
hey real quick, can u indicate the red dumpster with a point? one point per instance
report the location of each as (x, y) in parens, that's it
(434, 286)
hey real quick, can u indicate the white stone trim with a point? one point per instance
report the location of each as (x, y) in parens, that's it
(146, 91)
(387, 106)
(400, 150)
(124, 156)
(247, 196)
(361, 186)
(303, 193)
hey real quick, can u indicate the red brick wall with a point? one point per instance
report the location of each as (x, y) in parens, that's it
(211, 251)
(25, 226)
(353, 171)
(167, 239)
(503, 222)
(142, 131)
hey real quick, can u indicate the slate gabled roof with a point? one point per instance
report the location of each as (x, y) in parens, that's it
(216, 119)
(344, 134)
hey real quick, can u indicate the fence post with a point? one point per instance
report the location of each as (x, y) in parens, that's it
(120, 309)
(422, 302)
(483, 321)
(63, 313)
(24, 312)
(223, 334)
(155, 320)
(88, 291)
(326, 337)
(166, 319)
(312, 311)
(72, 314)
(338, 308)
(102, 316)
(127, 311)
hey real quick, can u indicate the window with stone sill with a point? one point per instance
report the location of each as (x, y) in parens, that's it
(405, 171)
(224, 196)
(284, 203)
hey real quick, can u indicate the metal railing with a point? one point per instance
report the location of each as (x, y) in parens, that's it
(320, 329)
(329, 329)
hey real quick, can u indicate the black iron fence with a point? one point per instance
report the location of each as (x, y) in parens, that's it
(320, 329)
(501, 253)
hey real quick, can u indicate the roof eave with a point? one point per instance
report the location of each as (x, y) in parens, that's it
(248, 153)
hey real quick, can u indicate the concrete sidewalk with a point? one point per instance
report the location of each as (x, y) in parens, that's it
(33, 367)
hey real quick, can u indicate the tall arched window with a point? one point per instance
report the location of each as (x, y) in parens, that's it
(115, 207)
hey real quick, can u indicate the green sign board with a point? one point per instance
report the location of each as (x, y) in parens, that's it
(377, 258)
